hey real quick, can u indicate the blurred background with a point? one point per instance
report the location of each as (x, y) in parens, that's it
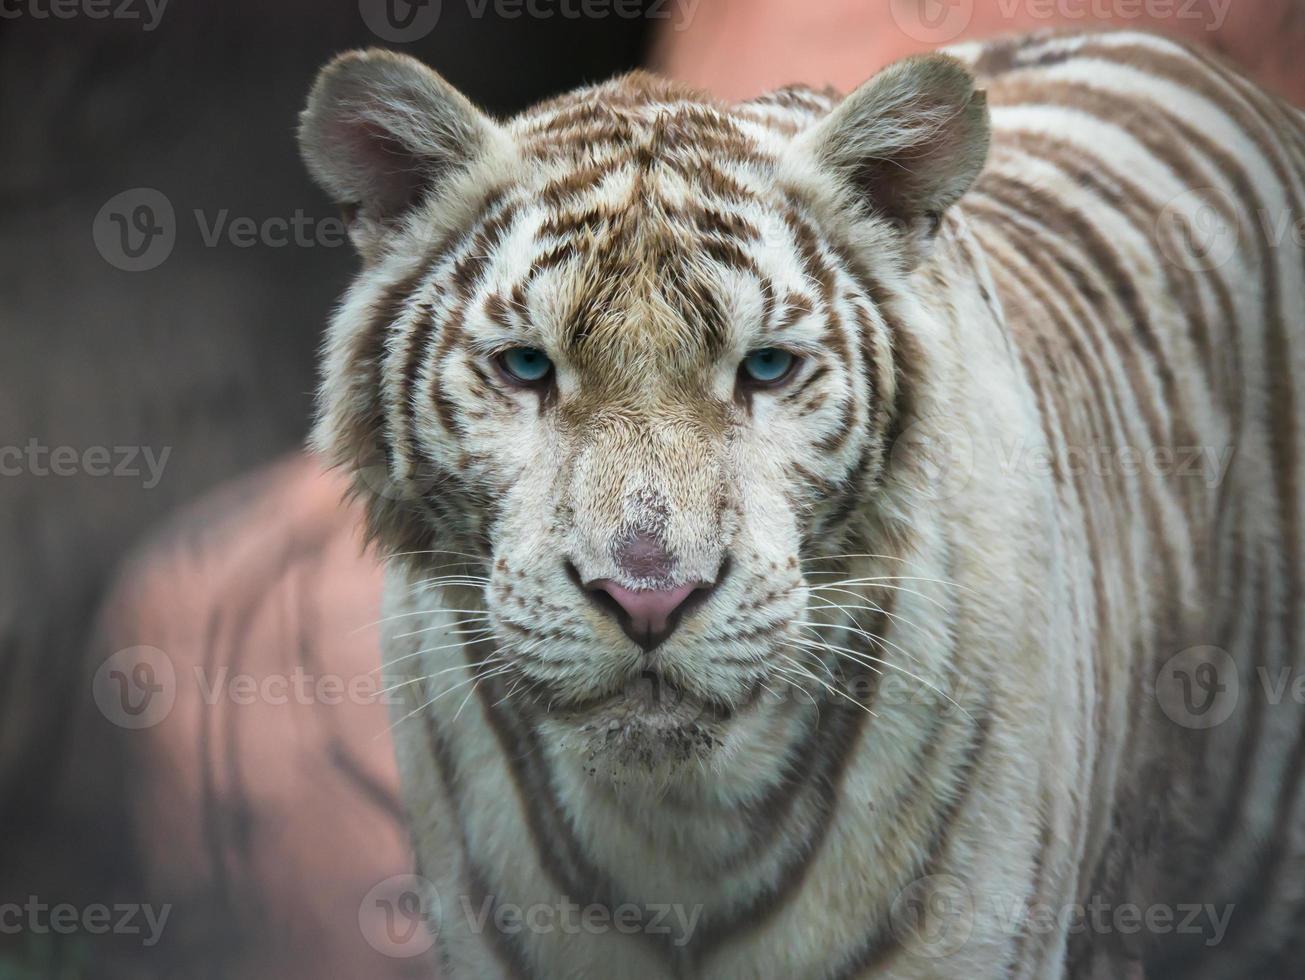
(200, 359)
(166, 269)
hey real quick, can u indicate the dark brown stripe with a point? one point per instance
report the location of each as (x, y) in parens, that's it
(796, 306)
(504, 945)
(594, 220)
(445, 408)
(415, 350)
(771, 819)
(816, 375)
(369, 353)
(878, 949)
(868, 351)
(1106, 417)
(1191, 74)
(573, 183)
(829, 750)
(1088, 170)
(1282, 438)
(561, 855)
(1060, 217)
(467, 271)
(712, 221)
(1021, 963)
(730, 254)
(808, 245)
(1045, 284)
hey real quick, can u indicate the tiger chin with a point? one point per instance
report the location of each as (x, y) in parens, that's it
(766, 535)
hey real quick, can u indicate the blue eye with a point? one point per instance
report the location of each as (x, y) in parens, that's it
(768, 366)
(528, 365)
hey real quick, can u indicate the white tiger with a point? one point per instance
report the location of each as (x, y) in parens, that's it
(797, 566)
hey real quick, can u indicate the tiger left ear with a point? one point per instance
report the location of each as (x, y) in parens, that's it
(381, 132)
(907, 143)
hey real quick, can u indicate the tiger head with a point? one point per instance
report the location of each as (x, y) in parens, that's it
(632, 355)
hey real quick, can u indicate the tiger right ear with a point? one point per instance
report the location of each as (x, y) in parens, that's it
(380, 131)
(907, 143)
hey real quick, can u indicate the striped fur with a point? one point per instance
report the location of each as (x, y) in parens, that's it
(965, 706)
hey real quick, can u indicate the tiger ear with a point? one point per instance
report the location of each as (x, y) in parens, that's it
(380, 132)
(907, 143)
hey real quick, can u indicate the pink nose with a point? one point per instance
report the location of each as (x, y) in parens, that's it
(648, 616)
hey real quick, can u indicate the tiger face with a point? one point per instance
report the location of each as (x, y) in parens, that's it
(632, 355)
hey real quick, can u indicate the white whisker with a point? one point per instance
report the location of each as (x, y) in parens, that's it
(449, 629)
(834, 690)
(474, 679)
(850, 556)
(874, 607)
(856, 657)
(419, 612)
(438, 673)
(835, 587)
(883, 642)
(418, 653)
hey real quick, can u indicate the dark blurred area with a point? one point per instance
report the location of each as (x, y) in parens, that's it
(126, 394)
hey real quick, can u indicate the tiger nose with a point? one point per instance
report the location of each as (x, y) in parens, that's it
(648, 616)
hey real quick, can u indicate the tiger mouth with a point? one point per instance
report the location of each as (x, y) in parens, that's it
(650, 724)
(649, 699)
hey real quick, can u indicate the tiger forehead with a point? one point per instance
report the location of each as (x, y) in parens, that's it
(650, 193)
(644, 118)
